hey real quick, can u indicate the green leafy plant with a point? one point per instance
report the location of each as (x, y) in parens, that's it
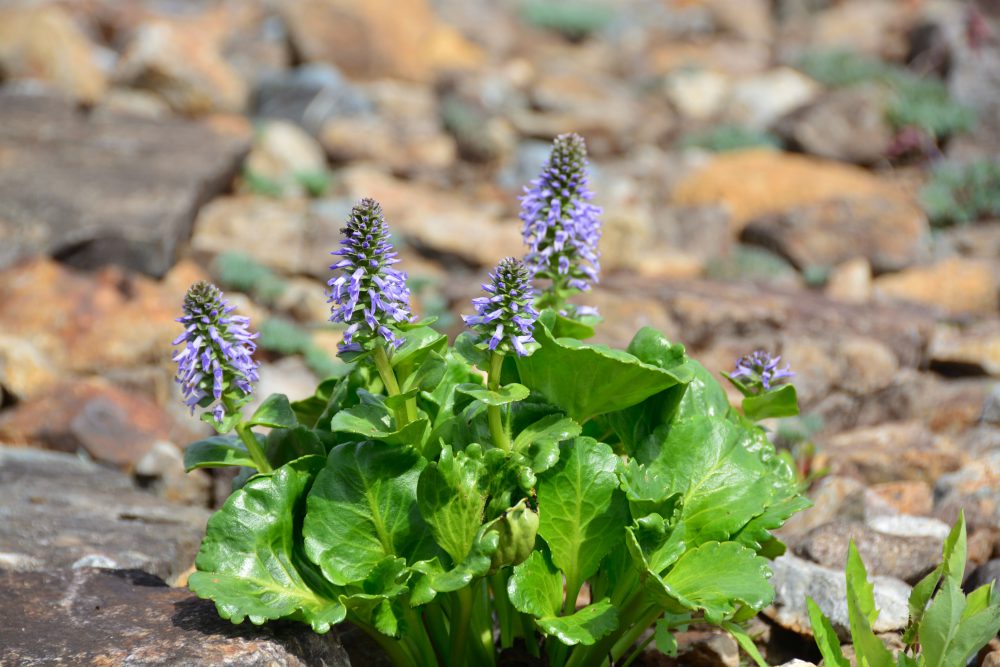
(960, 194)
(573, 19)
(730, 138)
(245, 274)
(518, 489)
(287, 338)
(945, 627)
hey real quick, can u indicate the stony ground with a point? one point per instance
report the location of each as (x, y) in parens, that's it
(145, 144)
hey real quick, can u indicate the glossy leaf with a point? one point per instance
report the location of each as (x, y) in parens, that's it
(451, 495)
(246, 564)
(362, 508)
(274, 412)
(589, 380)
(376, 422)
(826, 637)
(510, 393)
(582, 511)
(781, 402)
(717, 576)
(217, 452)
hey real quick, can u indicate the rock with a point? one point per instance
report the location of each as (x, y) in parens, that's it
(974, 489)
(81, 192)
(381, 38)
(953, 285)
(910, 526)
(151, 625)
(697, 94)
(132, 102)
(903, 557)
(286, 157)
(182, 64)
(815, 237)
(836, 498)
(43, 42)
(161, 470)
(991, 409)
(456, 219)
(309, 96)
(850, 282)
(906, 497)
(795, 579)
(107, 322)
(760, 100)
(292, 236)
(974, 351)
(759, 182)
(797, 663)
(875, 28)
(24, 370)
(992, 659)
(749, 19)
(289, 376)
(59, 511)
(698, 648)
(109, 424)
(890, 452)
(985, 574)
(406, 135)
(847, 124)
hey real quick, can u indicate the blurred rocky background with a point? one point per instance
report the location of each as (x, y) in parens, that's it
(820, 178)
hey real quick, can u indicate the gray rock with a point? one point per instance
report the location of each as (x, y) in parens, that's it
(309, 95)
(796, 579)
(105, 189)
(129, 617)
(904, 525)
(987, 573)
(59, 511)
(902, 557)
(991, 410)
(974, 489)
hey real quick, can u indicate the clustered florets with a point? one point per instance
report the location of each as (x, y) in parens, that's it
(561, 226)
(368, 293)
(758, 368)
(216, 364)
(506, 317)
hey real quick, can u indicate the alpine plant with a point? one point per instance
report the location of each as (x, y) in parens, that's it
(367, 293)
(758, 370)
(561, 226)
(215, 367)
(506, 318)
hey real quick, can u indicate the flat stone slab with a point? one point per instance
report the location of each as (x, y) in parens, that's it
(104, 188)
(91, 616)
(58, 511)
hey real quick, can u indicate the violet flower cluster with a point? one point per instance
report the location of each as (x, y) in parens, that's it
(561, 226)
(506, 318)
(759, 368)
(367, 293)
(215, 365)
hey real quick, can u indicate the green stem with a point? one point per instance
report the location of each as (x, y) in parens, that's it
(460, 618)
(505, 612)
(438, 630)
(593, 656)
(417, 632)
(497, 431)
(256, 453)
(391, 386)
(638, 650)
(395, 649)
(622, 646)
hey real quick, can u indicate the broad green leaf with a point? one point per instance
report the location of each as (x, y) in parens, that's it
(781, 402)
(743, 639)
(539, 442)
(589, 380)
(510, 393)
(362, 508)
(431, 578)
(716, 463)
(247, 562)
(646, 491)
(565, 327)
(536, 588)
(288, 444)
(857, 580)
(703, 396)
(308, 410)
(274, 412)
(950, 632)
(451, 496)
(375, 422)
(756, 533)
(217, 452)
(952, 566)
(716, 577)
(974, 632)
(826, 637)
(418, 343)
(582, 510)
(653, 544)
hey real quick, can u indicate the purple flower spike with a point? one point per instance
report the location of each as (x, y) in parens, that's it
(215, 365)
(367, 293)
(759, 367)
(561, 226)
(505, 318)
